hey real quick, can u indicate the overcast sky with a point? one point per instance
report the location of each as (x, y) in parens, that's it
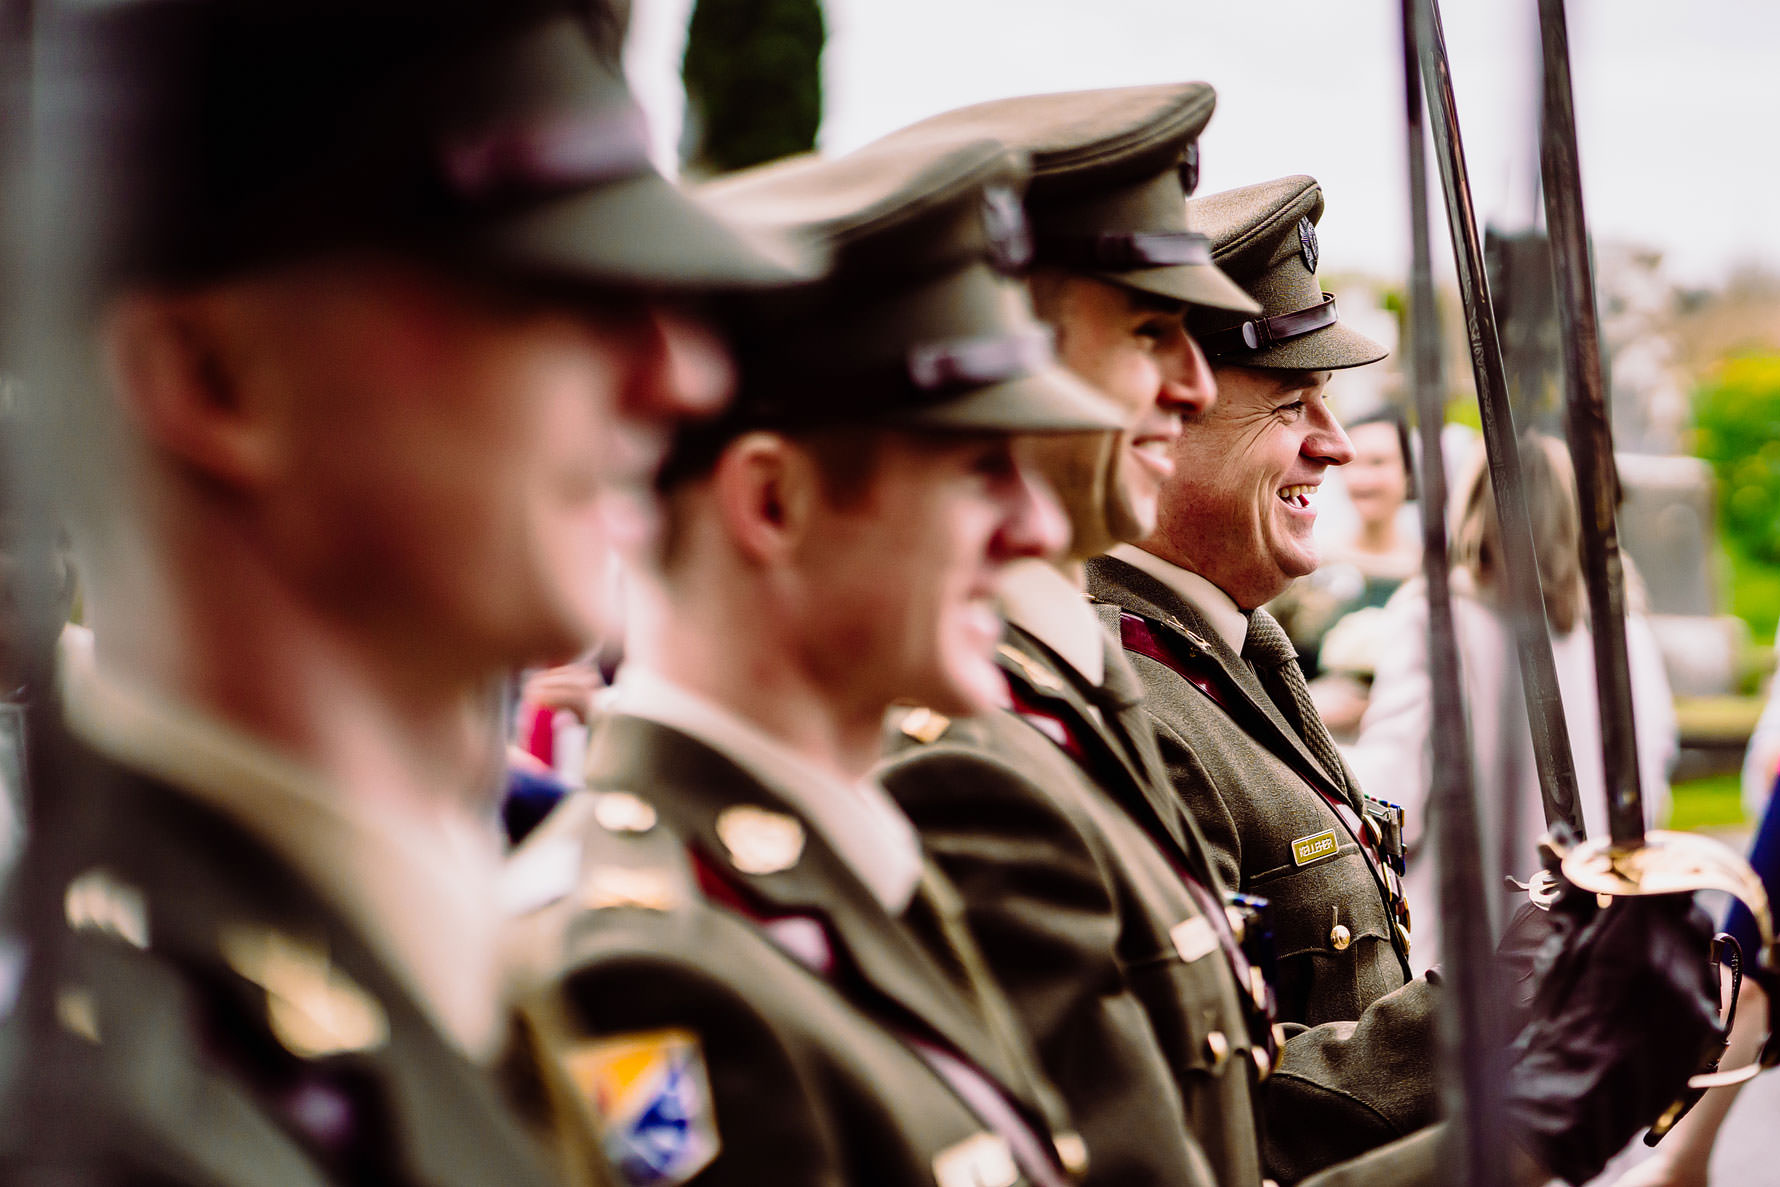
(1678, 104)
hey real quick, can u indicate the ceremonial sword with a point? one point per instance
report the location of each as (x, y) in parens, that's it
(1629, 861)
(1470, 1021)
(1532, 637)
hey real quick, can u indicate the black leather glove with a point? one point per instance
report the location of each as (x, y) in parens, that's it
(1626, 1009)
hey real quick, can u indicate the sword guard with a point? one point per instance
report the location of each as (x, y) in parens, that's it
(1682, 863)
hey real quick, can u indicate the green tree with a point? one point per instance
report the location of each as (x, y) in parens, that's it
(1737, 430)
(753, 73)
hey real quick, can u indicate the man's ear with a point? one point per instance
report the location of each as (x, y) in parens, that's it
(767, 490)
(177, 364)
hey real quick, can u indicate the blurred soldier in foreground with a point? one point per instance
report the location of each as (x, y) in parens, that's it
(1622, 1017)
(750, 972)
(372, 376)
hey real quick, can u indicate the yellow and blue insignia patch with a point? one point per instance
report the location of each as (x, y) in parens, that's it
(651, 1097)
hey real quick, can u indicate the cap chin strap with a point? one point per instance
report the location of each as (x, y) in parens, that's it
(1123, 251)
(1261, 333)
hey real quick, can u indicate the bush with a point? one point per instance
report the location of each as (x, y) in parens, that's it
(1737, 431)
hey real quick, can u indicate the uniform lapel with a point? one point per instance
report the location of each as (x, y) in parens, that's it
(1129, 770)
(1129, 587)
(215, 894)
(693, 784)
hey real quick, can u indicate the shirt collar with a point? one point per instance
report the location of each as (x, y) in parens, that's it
(420, 890)
(859, 820)
(1214, 605)
(1041, 600)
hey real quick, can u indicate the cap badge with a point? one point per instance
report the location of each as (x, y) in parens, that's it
(1189, 169)
(1307, 242)
(760, 841)
(1004, 226)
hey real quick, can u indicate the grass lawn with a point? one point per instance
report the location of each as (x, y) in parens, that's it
(1713, 802)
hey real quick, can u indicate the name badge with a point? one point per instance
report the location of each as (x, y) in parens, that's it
(1315, 847)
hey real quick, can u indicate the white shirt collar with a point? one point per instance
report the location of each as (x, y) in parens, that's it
(1213, 604)
(420, 890)
(1038, 598)
(865, 827)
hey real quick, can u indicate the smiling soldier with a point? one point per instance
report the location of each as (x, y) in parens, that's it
(376, 306)
(757, 977)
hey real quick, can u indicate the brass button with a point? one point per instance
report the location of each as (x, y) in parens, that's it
(1217, 1050)
(1263, 1064)
(1340, 937)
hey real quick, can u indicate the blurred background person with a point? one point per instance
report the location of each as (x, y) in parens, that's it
(1333, 616)
(1393, 754)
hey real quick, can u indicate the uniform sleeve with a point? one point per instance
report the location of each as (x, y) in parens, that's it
(1038, 903)
(1344, 1088)
(1413, 1161)
(684, 1080)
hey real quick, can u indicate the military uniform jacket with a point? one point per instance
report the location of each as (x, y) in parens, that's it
(1245, 778)
(1091, 897)
(199, 1015)
(717, 942)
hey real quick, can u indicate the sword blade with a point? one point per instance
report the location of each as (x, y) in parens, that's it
(1470, 1021)
(1589, 431)
(1538, 670)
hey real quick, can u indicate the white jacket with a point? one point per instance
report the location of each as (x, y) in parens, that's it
(1393, 754)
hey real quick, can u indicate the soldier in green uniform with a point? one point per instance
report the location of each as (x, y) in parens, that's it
(1263, 779)
(381, 297)
(1097, 901)
(746, 969)
(1256, 769)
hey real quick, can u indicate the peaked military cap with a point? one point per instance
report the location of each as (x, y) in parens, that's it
(207, 137)
(1110, 169)
(1265, 237)
(922, 319)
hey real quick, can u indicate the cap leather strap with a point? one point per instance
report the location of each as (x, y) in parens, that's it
(1261, 333)
(927, 373)
(1124, 251)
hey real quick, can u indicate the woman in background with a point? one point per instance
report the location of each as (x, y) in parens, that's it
(1393, 754)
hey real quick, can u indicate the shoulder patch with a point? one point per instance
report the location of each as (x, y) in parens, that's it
(650, 1097)
(924, 725)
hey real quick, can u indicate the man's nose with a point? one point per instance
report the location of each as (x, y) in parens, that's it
(1035, 524)
(1328, 440)
(1188, 384)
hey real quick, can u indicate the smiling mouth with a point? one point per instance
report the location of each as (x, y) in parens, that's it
(1297, 496)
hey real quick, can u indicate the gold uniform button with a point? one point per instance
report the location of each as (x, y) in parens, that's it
(1263, 1064)
(1340, 937)
(1217, 1050)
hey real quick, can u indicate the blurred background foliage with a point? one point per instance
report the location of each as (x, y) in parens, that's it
(753, 74)
(1736, 428)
